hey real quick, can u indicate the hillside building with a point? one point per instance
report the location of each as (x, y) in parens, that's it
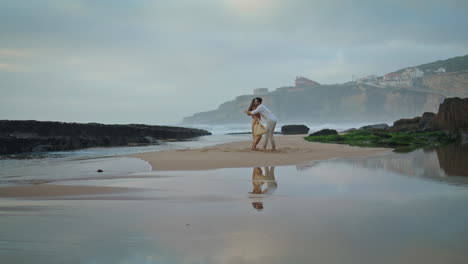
(302, 81)
(402, 79)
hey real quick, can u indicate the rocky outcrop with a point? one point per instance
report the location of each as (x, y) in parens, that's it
(376, 126)
(449, 125)
(324, 132)
(37, 136)
(416, 123)
(452, 118)
(294, 129)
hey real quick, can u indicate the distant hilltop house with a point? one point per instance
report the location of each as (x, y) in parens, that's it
(302, 81)
(402, 79)
(260, 91)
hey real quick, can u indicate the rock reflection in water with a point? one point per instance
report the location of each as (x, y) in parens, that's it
(453, 159)
(262, 184)
(445, 163)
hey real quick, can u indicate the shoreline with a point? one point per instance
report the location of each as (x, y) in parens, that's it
(292, 150)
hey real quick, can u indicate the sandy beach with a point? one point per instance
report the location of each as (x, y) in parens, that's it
(56, 190)
(292, 150)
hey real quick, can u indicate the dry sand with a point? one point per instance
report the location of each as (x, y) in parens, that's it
(292, 150)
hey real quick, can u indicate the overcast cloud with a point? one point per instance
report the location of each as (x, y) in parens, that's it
(155, 62)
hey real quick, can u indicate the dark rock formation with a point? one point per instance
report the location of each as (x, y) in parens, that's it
(426, 118)
(376, 126)
(18, 136)
(452, 118)
(324, 132)
(406, 124)
(294, 129)
(416, 123)
(449, 125)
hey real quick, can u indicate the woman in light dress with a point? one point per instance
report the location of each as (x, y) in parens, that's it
(255, 119)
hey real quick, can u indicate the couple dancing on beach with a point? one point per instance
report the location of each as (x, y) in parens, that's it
(258, 111)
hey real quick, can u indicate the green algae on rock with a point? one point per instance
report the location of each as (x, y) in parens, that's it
(399, 140)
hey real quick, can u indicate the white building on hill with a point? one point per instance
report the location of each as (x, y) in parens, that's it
(402, 79)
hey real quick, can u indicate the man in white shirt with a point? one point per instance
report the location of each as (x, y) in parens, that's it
(270, 121)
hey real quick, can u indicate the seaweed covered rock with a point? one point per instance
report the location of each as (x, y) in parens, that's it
(407, 140)
(324, 132)
(376, 126)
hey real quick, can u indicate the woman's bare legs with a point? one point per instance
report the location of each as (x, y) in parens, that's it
(253, 147)
(255, 139)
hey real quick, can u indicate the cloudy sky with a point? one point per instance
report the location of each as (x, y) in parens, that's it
(154, 62)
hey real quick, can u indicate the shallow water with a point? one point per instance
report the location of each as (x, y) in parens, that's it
(63, 165)
(223, 129)
(395, 208)
(197, 142)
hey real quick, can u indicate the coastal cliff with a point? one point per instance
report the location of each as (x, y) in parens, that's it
(407, 92)
(356, 102)
(450, 84)
(17, 136)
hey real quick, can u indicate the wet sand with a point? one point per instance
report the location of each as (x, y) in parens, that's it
(389, 208)
(292, 150)
(55, 190)
(336, 211)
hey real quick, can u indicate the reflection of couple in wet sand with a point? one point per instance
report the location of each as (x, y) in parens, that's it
(258, 111)
(259, 181)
